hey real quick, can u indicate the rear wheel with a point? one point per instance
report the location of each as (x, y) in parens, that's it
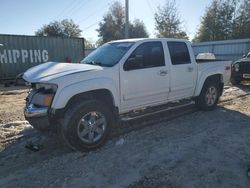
(86, 125)
(209, 96)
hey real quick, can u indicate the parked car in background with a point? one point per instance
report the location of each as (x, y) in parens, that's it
(241, 70)
(121, 80)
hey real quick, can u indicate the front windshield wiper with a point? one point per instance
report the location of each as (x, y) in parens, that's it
(96, 63)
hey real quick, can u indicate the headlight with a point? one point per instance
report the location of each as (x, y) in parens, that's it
(47, 88)
(43, 94)
(237, 67)
(41, 99)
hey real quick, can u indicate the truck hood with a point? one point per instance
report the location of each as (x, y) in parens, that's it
(51, 70)
(247, 59)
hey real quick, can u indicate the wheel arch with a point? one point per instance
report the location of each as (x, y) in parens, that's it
(103, 95)
(88, 89)
(218, 78)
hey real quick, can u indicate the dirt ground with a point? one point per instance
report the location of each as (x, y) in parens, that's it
(201, 149)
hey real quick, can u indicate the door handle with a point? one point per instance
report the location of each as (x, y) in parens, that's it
(190, 69)
(163, 72)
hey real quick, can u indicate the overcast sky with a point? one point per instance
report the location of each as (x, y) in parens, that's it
(26, 16)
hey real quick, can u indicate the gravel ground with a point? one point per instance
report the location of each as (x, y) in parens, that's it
(12, 100)
(201, 149)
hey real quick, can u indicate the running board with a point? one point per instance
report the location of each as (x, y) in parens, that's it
(131, 116)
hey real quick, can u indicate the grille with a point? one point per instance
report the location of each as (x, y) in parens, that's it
(245, 67)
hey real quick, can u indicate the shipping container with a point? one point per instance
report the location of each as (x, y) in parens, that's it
(225, 50)
(18, 52)
(89, 50)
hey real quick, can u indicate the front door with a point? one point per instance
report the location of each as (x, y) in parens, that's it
(144, 77)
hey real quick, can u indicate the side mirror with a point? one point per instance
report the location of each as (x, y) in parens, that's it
(1, 45)
(244, 55)
(133, 63)
(129, 64)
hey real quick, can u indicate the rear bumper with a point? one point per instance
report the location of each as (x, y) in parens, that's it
(37, 116)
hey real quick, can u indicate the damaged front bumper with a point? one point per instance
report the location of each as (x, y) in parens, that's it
(31, 111)
(37, 117)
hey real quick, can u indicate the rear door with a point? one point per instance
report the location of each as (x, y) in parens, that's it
(146, 83)
(183, 70)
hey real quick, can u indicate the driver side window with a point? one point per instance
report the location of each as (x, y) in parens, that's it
(146, 55)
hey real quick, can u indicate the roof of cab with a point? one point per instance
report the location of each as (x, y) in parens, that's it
(148, 39)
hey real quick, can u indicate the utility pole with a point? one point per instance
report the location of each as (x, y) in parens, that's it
(127, 20)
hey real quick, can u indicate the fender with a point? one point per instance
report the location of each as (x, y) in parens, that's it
(64, 95)
(203, 75)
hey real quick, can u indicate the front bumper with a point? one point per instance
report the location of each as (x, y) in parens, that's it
(240, 75)
(37, 116)
(31, 111)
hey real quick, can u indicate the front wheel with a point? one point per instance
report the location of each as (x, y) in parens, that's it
(86, 125)
(209, 96)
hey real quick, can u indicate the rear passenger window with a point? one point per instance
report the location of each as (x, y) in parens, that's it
(179, 53)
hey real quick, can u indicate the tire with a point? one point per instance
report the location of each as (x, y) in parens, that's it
(87, 125)
(235, 82)
(209, 96)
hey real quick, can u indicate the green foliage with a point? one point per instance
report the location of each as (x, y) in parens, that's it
(242, 21)
(222, 21)
(65, 28)
(168, 23)
(217, 22)
(138, 29)
(112, 27)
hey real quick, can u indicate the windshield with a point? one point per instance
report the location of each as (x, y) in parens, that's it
(108, 54)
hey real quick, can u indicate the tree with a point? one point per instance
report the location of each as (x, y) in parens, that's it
(112, 27)
(242, 21)
(65, 28)
(89, 43)
(138, 29)
(168, 23)
(217, 22)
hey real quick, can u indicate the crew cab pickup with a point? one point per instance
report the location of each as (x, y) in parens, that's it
(121, 80)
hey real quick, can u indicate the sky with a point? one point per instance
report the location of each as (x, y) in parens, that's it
(27, 16)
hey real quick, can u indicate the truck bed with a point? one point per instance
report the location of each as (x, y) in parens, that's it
(204, 65)
(208, 60)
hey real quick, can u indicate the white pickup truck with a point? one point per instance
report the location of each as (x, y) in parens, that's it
(121, 80)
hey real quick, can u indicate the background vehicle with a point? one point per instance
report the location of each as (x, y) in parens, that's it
(121, 80)
(241, 70)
